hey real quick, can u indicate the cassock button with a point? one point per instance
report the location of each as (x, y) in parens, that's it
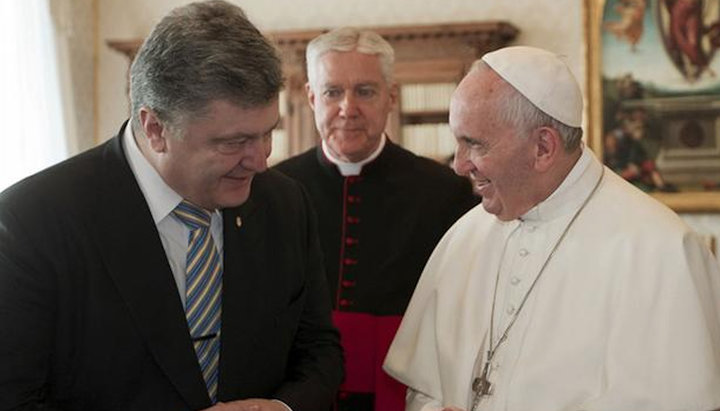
(351, 241)
(510, 310)
(515, 281)
(238, 221)
(345, 303)
(523, 252)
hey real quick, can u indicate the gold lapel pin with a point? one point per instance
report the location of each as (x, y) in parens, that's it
(238, 221)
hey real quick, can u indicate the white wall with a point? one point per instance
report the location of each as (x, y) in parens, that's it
(74, 23)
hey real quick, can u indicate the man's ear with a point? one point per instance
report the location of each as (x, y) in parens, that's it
(310, 95)
(153, 129)
(549, 145)
(394, 92)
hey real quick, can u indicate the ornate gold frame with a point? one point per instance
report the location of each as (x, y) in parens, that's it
(686, 202)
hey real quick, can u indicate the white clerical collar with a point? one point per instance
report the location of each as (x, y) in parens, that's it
(578, 184)
(161, 199)
(348, 168)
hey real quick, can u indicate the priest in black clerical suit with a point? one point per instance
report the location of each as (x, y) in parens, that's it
(381, 208)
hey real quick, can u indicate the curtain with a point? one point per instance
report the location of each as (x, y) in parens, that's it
(32, 126)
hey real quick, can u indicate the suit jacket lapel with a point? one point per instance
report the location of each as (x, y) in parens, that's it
(137, 263)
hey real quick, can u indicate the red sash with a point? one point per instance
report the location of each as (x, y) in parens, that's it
(366, 340)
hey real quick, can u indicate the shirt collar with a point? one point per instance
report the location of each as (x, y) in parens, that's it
(161, 199)
(349, 168)
(571, 193)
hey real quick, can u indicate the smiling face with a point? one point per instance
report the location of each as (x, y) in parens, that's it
(351, 100)
(211, 159)
(499, 161)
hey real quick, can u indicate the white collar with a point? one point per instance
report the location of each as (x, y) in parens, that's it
(348, 168)
(576, 186)
(161, 199)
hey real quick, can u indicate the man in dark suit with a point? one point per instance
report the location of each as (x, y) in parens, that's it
(382, 209)
(145, 274)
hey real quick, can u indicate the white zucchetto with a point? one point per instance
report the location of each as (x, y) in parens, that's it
(543, 78)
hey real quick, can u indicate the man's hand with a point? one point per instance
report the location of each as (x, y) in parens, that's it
(253, 404)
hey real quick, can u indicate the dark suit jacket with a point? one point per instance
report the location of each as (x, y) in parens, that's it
(91, 318)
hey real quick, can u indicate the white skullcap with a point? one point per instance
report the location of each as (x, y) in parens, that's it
(543, 78)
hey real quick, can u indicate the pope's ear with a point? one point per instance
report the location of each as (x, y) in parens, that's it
(153, 129)
(549, 145)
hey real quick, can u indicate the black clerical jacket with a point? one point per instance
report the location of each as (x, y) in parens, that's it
(377, 231)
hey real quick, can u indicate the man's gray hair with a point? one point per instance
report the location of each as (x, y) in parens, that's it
(524, 116)
(198, 53)
(350, 39)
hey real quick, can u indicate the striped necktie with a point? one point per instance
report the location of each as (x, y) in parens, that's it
(203, 291)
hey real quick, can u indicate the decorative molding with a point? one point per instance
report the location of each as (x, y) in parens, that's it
(479, 36)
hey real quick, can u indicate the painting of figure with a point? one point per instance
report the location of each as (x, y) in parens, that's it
(629, 26)
(689, 35)
(660, 82)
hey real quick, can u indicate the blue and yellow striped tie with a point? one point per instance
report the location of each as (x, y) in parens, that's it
(203, 291)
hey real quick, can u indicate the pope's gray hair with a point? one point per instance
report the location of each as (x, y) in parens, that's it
(515, 109)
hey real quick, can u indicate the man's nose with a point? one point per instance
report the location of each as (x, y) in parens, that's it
(255, 156)
(348, 106)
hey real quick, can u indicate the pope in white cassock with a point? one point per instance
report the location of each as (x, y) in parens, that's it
(568, 289)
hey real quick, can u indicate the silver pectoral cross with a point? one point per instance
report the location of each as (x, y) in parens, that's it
(481, 385)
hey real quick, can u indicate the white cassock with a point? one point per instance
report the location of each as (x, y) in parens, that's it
(625, 316)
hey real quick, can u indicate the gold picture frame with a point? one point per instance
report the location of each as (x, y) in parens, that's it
(685, 201)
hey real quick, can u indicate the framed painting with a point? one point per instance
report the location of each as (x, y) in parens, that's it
(653, 84)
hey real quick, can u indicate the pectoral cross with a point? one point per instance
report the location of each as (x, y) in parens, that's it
(481, 385)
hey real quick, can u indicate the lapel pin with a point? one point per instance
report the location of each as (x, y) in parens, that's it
(238, 221)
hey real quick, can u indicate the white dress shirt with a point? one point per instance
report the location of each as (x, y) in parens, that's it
(162, 200)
